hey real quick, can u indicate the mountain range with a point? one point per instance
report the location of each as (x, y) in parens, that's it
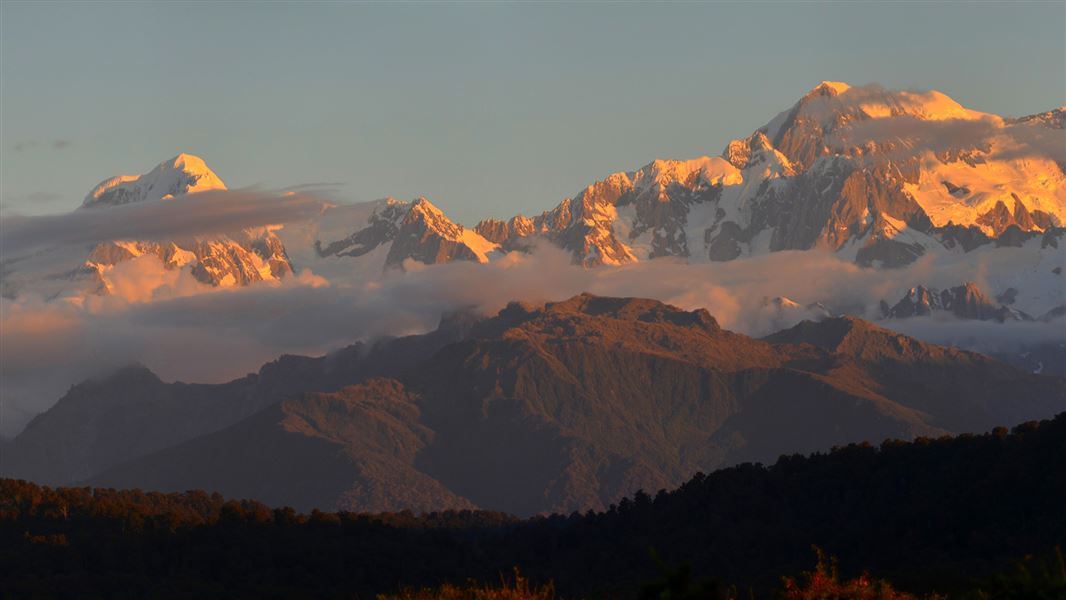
(553, 407)
(878, 177)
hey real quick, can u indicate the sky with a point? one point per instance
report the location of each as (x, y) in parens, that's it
(488, 109)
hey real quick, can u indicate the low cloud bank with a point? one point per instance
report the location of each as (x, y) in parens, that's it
(185, 331)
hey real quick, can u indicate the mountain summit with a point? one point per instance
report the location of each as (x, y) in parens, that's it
(183, 174)
(229, 259)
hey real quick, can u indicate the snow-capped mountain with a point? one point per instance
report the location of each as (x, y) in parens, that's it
(782, 312)
(879, 176)
(1054, 119)
(183, 174)
(415, 230)
(237, 258)
(232, 259)
(627, 217)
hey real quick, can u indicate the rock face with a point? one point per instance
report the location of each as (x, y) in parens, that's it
(966, 301)
(554, 407)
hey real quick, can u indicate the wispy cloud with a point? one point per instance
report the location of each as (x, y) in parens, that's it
(205, 213)
(910, 134)
(25, 145)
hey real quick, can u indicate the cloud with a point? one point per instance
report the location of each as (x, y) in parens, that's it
(185, 331)
(1035, 139)
(910, 135)
(204, 213)
(982, 336)
(915, 135)
(918, 134)
(316, 186)
(24, 145)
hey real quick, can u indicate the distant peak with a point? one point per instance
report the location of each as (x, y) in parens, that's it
(423, 211)
(423, 204)
(183, 174)
(830, 333)
(780, 302)
(631, 309)
(830, 88)
(187, 161)
(126, 374)
(1054, 118)
(422, 208)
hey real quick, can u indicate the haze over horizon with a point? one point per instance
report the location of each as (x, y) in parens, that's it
(487, 110)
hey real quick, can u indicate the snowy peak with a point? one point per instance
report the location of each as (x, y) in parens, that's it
(1052, 119)
(189, 163)
(224, 260)
(427, 236)
(425, 214)
(183, 174)
(830, 99)
(829, 89)
(704, 170)
(757, 151)
(415, 230)
(340, 235)
(803, 132)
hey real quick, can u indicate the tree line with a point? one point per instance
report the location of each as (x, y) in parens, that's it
(930, 515)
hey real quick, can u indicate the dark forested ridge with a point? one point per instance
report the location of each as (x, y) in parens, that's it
(929, 515)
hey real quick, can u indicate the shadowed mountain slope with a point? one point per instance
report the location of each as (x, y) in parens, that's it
(573, 404)
(100, 423)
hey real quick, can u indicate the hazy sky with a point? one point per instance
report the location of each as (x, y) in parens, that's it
(488, 109)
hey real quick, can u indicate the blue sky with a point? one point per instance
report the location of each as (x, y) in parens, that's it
(487, 109)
